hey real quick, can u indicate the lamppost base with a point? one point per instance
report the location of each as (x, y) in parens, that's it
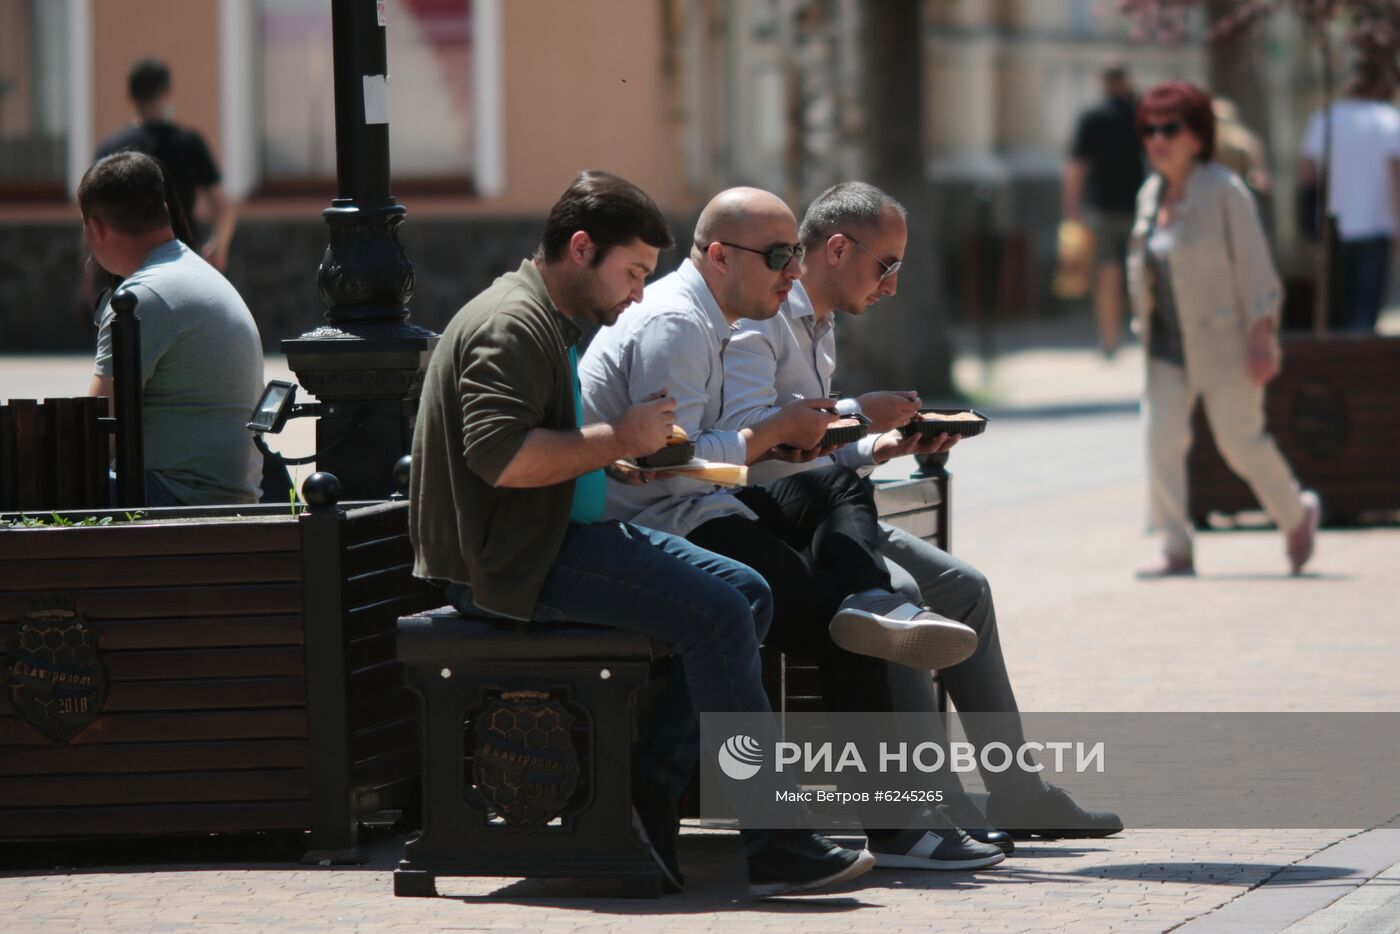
(367, 377)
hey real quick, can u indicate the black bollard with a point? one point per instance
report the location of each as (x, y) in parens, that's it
(403, 471)
(126, 390)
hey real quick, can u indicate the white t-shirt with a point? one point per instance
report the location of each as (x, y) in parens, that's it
(1365, 138)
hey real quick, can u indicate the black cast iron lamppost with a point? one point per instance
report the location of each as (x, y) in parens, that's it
(366, 363)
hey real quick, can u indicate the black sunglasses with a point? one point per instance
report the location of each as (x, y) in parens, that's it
(1169, 130)
(777, 257)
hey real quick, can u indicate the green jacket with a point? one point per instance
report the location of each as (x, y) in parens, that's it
(500, 370)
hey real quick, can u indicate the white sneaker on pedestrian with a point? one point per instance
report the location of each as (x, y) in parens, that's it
(885, 625)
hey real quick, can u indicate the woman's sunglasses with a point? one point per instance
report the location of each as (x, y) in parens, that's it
(1168, 130)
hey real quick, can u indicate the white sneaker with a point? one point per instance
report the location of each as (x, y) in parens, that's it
(888, 626)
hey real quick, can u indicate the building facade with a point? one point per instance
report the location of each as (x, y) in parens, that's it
(495, 104)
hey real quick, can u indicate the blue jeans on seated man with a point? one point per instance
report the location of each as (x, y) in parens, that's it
(712, 611)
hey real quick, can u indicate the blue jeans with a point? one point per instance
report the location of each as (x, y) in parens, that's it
(711, 610)
(1365, 273)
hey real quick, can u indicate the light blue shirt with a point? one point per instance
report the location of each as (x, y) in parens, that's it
(789, 356)
(674, 339)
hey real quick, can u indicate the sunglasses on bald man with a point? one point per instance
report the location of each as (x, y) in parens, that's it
(777, 257)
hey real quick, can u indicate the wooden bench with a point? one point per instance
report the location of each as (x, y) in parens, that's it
(536, 723)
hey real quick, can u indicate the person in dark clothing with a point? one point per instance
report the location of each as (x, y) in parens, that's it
(1100, 186)
(182, 152)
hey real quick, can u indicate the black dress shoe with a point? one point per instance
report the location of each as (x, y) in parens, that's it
(1051, 814)
(962, 812)
(657, 822)
(800, 861)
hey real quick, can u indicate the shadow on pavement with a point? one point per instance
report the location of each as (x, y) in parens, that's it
(1212, 873)
(1279, 576)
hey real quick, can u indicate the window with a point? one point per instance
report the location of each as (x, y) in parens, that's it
(430, 92)
(33, 97)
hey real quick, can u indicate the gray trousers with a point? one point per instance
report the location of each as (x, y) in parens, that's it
(929, 576)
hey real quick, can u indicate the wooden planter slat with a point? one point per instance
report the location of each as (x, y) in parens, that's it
(286, 723)
(154, 820)
(30, 475)
(375, 710)
(201, 694)
(171, 571)
(9, 472)
(384, 739)
(386, 771)
(180, 664)
(364, 627)
(97, 449)
(67, 438)
(382, 678)
(370, 651)
(155, 757)
(373, 555)
(148, 540)
(196, 632)
(207, 694)
(155, 788)
(380, 520)
(141, 602)
(369, 626)
(373, 587)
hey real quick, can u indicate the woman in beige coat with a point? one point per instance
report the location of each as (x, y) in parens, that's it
(1206, 304)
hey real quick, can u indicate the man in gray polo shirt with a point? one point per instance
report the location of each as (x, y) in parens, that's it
(201, 357)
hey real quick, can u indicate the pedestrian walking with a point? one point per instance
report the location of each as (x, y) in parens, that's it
(1101, 179)
(1206, 301)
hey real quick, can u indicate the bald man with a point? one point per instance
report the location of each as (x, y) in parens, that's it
(813, 536)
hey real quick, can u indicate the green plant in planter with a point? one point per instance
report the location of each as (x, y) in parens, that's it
(56, 521)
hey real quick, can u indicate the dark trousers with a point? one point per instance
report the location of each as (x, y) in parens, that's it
(816, 541)
(1364, 273)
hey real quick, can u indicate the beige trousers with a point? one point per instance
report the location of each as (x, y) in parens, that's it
(1236, 415)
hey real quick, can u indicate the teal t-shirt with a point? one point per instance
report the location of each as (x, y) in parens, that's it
(591, 489)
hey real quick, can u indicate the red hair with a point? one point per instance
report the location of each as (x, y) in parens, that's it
(1185, 101)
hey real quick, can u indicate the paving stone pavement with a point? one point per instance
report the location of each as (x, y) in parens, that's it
(1079, 634)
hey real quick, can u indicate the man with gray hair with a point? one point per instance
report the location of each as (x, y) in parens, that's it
(854, 237)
